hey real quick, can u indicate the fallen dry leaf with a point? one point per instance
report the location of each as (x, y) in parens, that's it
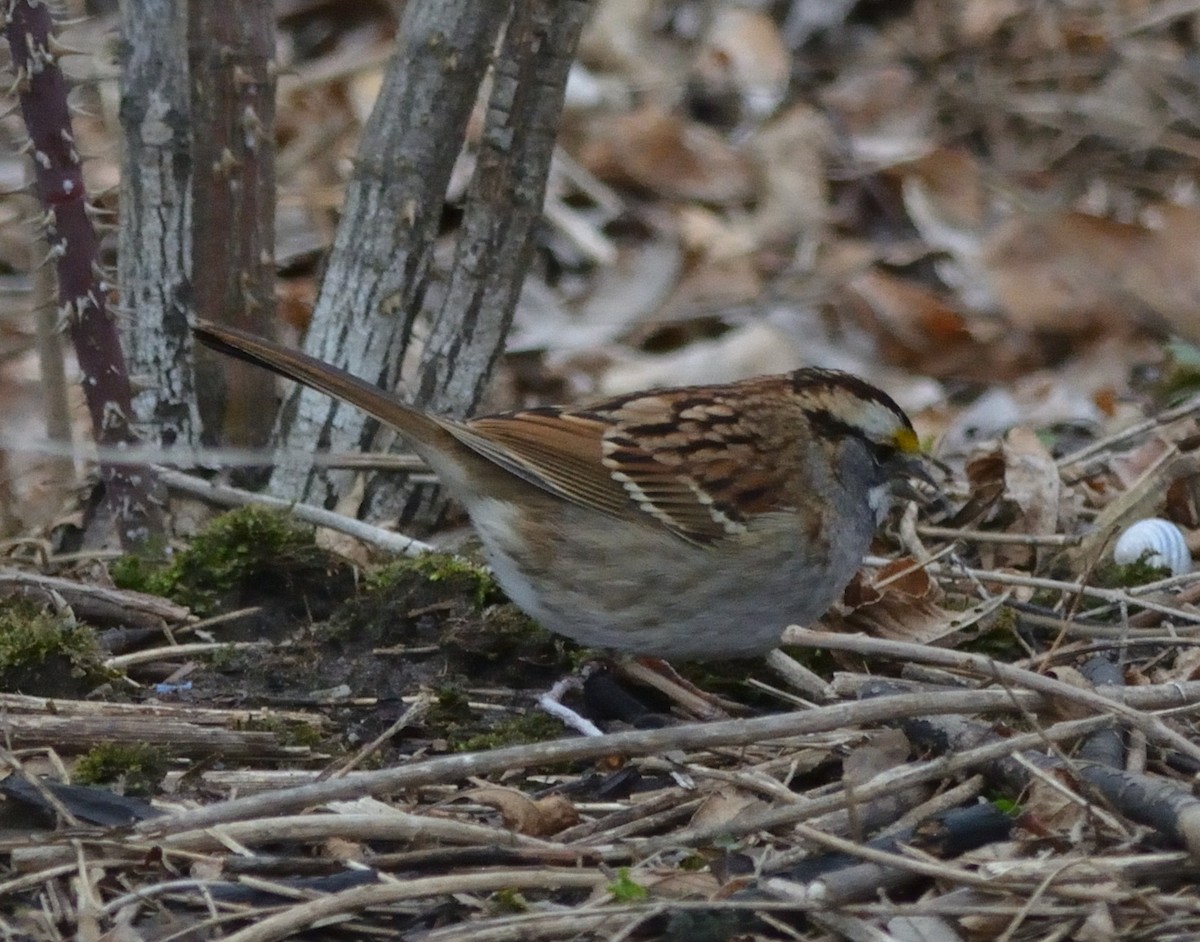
(1164, 274)
(1033, 484)
(884, 111)
(742, 352)
(920, 327)
(538, 817)
(722, 805)
(1062, 273)
(1050, 809)
(899, 601)
(793, 193)
(1060, 707)
(741, 69)
(673, 883)
(668, 155)
(882, 750)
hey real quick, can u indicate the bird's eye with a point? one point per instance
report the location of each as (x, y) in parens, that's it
(884, 454)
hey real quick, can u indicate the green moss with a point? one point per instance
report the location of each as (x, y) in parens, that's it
(290, 733)
(1113, 575)
(516, 730)
(625, 889)
(456, 605)
(246, 549)
(135, 768)
(46, 654)
(1006, 805)
(1000, 643)
(466, 730)
(450, 711)
(228, 658)
(1180, 373)
(140, 574)
(1005, 619)
(459, 575)
(507, 644)
(506, 902)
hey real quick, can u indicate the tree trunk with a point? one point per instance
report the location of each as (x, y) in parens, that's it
(231, 49)
(377, 273)
(154, 259)
(495, 241)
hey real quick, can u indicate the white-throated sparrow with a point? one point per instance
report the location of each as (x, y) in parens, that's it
(687, 523)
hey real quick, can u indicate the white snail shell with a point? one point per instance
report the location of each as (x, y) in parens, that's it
(1160, 542)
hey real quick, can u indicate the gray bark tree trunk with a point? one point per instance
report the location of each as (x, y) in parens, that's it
(495, 242)
(154, 262)
(377, 273)
(374, 304)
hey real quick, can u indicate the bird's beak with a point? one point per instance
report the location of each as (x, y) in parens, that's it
(909, 468)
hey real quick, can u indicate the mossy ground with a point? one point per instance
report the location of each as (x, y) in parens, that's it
(432, 623)
(245, 557)
(45, 654)
(128, 768)
(435, 624)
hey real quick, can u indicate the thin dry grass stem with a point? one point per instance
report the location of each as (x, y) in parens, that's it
(912, 774)
(134, 606)
(694, 736)
(18, 703)
(783, 696)
(1119, 867)
(306, 914)
(756, 783)
(1112, 596)
(1034, 898)
(1001, 673)
(600, 830)
(581, 920)
(216, 621)
(1109, 443)
(412, 715)
(168, 652)
(800, 677)
(81, 732)
(929, 867)
(144, 894)
(954, 797)
(1127, 633)
(1073, 797)
(914, 566)
(679, 808)
(976, 904)
(1183, 695)
(988, 536)
(1188, 584)
(182, 456)
(395, 825)
(385, 540)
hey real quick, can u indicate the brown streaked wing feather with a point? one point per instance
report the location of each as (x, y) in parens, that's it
(687, 458)
(669, 494)
(707, 463)
(557, 451)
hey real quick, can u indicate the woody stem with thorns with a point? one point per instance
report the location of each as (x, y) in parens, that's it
(41, 89)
